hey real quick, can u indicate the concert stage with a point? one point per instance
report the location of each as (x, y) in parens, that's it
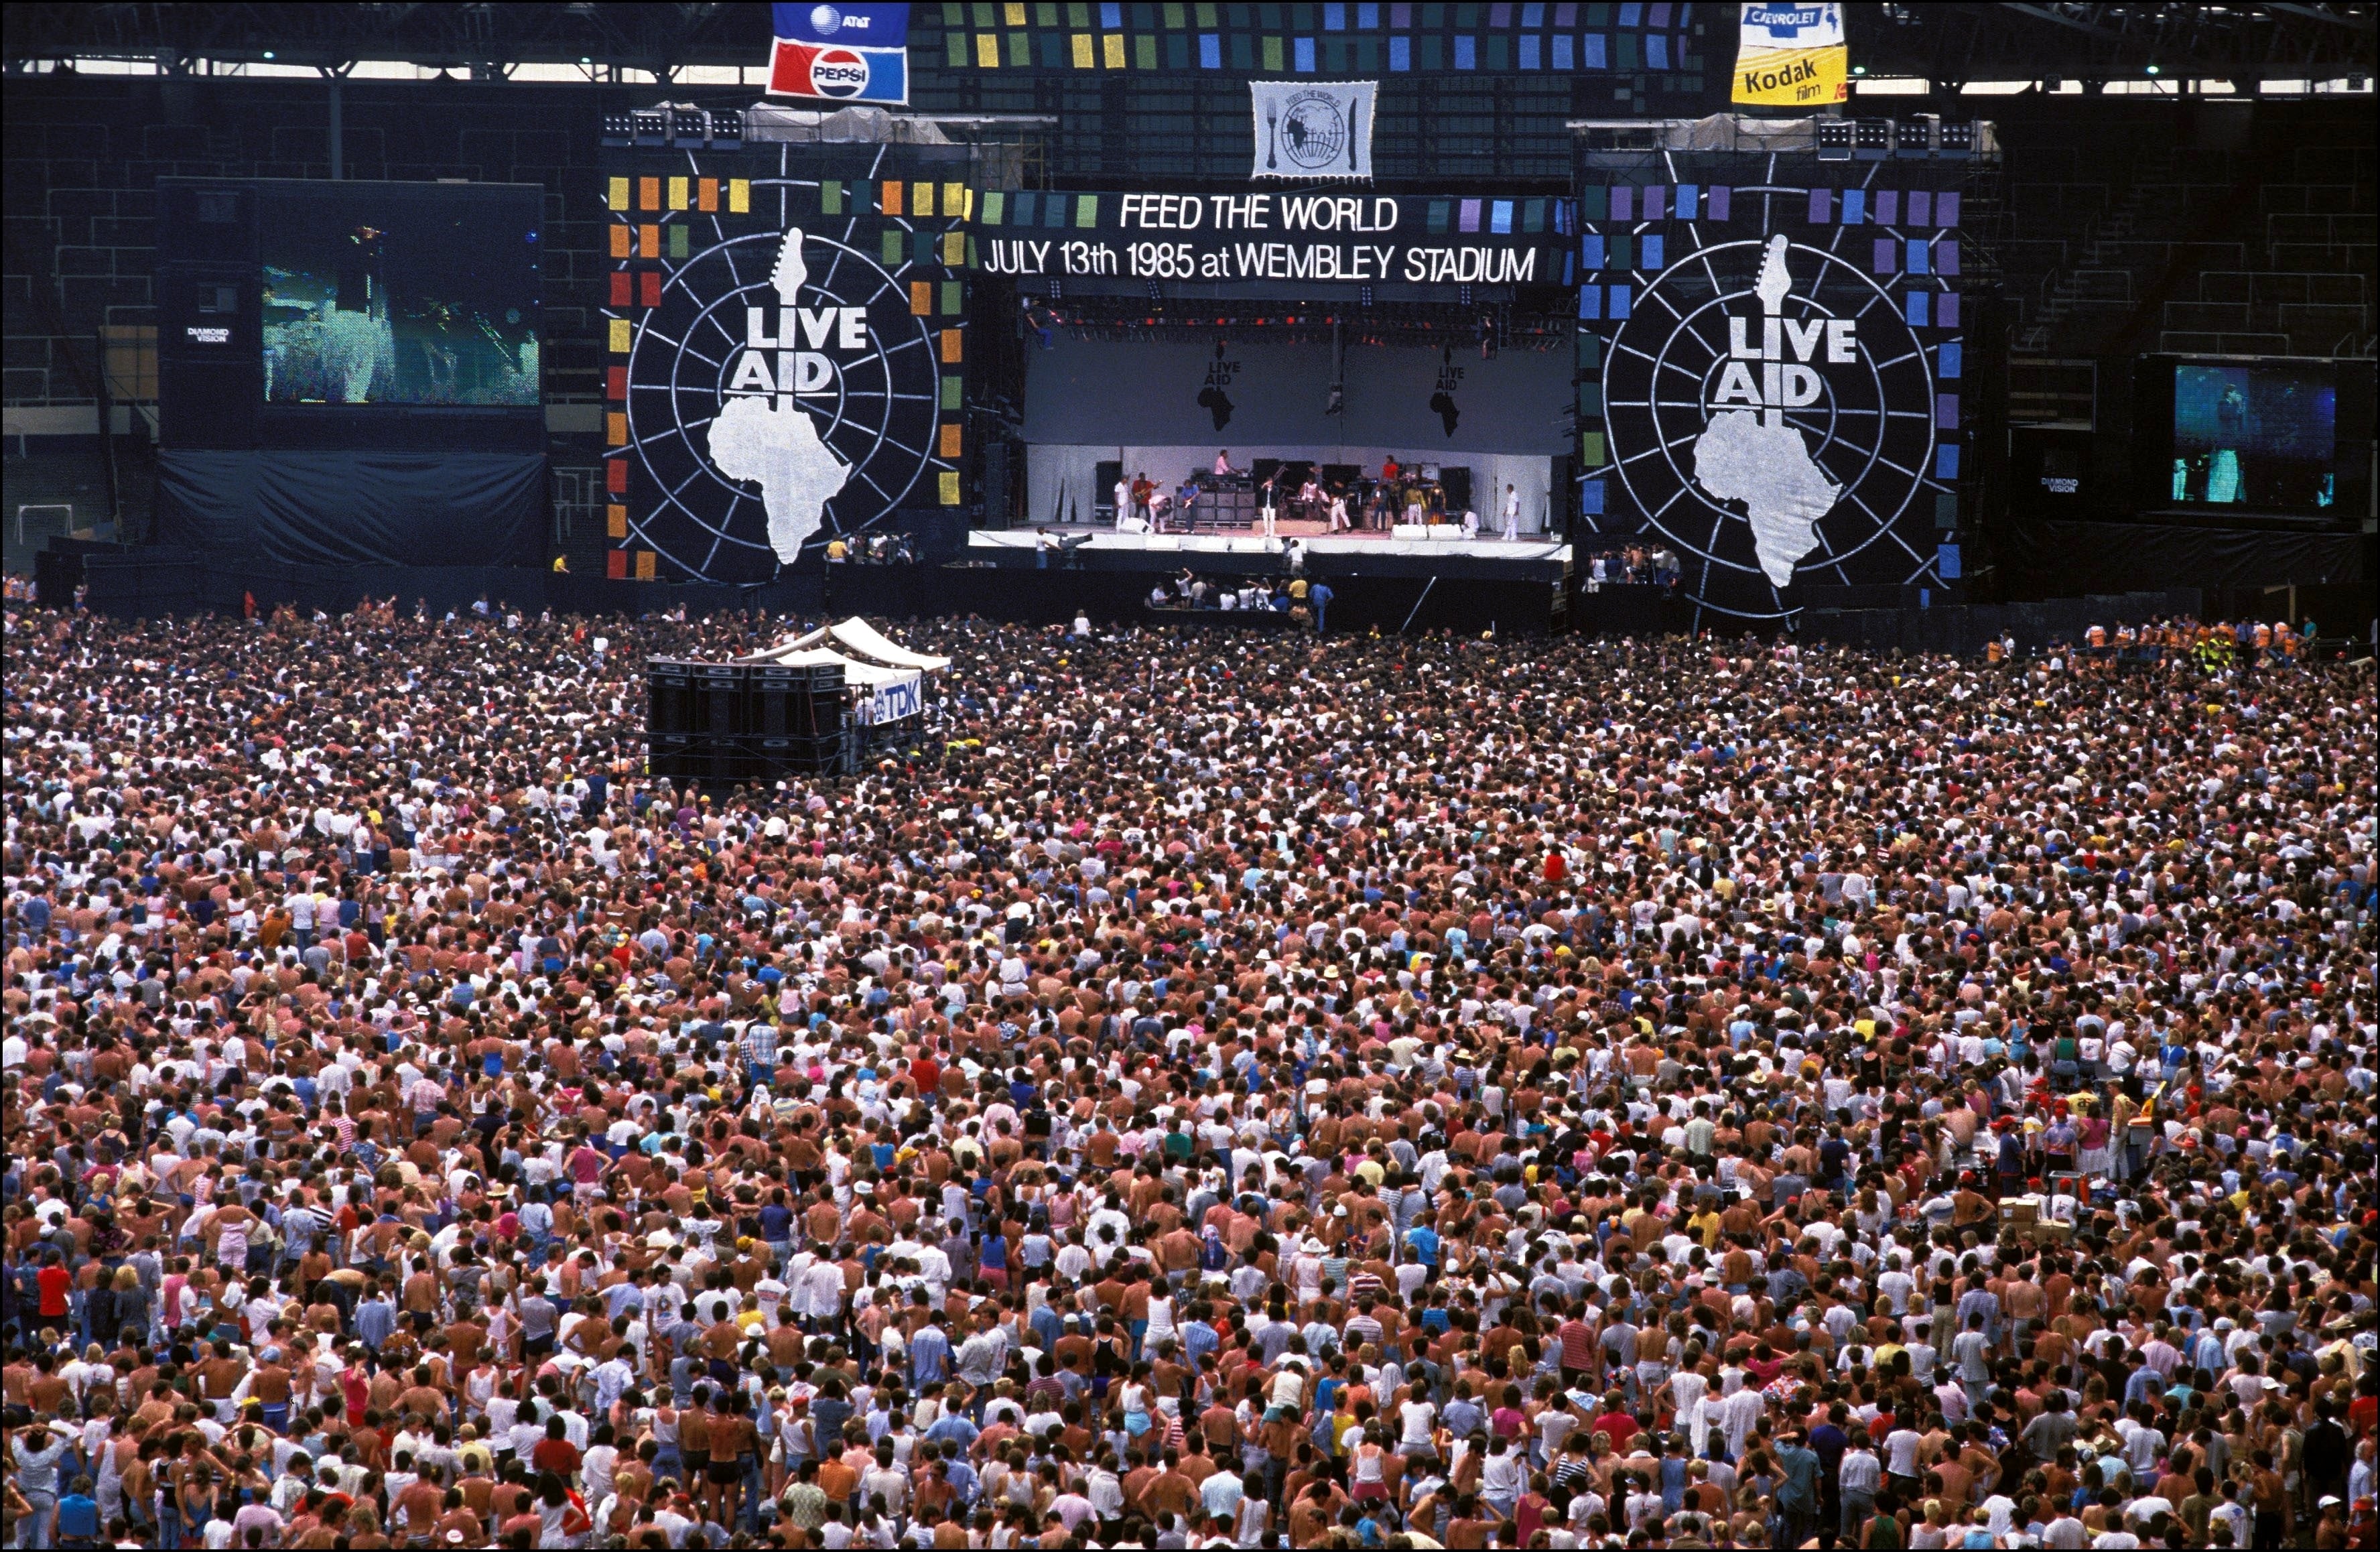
(1242, 554)
(1377, 580)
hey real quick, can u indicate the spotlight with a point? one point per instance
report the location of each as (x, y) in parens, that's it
(2153, 69)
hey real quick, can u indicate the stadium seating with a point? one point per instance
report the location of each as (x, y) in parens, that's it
(2133, 238)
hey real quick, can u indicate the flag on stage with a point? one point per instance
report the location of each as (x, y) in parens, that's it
(1313, 130)
(1791, 55)
(840, 53)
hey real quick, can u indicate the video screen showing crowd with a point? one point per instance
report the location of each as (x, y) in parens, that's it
(1274, 497)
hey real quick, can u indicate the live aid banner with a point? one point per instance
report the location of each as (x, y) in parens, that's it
(1365, 238)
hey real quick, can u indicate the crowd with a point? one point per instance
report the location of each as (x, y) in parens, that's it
(1306, 601)
(1244, 1090)
(1639, 565)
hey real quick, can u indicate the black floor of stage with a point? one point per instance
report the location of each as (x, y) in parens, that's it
(1382, 593)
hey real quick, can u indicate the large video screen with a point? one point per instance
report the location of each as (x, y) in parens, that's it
(2258, 435)
(400, 294)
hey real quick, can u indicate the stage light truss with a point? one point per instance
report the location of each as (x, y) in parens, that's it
(1199, 320)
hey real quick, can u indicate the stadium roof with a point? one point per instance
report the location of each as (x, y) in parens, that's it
(1942, 42)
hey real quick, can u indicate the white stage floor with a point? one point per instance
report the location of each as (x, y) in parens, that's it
(1390, 543)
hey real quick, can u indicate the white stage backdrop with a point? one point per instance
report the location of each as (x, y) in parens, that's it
(1158, 406)
(1061, 478)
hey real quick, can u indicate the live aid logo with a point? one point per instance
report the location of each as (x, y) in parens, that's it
(1782, 383)
(784, 354)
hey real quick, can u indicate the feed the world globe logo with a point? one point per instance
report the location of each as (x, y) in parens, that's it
(1311, 133)
(1771, 414)
(782, 392)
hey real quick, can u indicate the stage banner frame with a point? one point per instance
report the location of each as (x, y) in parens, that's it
(786, 340)
(1770, 370)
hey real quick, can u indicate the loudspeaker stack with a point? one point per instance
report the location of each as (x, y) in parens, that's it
(723, 724)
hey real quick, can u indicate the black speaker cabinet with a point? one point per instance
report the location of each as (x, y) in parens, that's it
(669, 697)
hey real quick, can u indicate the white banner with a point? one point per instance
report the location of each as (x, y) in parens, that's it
(1313, 130)
(892, 700)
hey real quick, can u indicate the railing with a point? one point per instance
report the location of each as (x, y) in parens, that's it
(66, 527)
(577, 504)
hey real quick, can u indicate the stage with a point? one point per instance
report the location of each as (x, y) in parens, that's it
(1401, 552)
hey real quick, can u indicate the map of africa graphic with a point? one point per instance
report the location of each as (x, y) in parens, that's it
(778, 449)
(1759, 460)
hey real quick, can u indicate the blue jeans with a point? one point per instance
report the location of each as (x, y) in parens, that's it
(42, 1522)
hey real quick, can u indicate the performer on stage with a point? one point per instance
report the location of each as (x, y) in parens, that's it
(1511, 513)
(1339, 523)
(1270, 492)
(1224, 462)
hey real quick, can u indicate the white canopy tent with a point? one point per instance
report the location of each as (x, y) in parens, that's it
(859, 638)
(856, 673)
(885, 680)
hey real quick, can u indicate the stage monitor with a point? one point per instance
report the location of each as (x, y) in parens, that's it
(2243, 434)
(400, 294)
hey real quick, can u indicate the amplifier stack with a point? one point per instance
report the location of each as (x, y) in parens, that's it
(730, 723)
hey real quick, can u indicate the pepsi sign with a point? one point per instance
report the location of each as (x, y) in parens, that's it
(837, 73)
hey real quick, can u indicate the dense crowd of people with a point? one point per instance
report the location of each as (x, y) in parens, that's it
(1250, 1091)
